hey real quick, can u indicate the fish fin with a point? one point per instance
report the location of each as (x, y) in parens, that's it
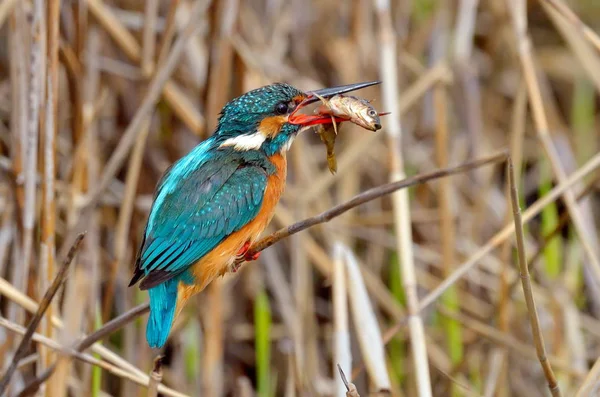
(163, 301)
(334, 125)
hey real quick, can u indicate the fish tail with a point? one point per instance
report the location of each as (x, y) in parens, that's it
(163, 301)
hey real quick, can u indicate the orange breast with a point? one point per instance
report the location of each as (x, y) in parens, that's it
(218, 261)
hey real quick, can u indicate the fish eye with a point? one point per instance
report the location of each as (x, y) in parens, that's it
(372, 113)
(281, 108)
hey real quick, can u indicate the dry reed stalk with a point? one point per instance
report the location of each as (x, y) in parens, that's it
(212, 365)
(568, 14)
(125, 216)
(181, 105)
(221, 69)
(30, 143)
(591, 383)
(133, 130)
(447, 228)
(135, 161)
(86, 358)
(49, 136)
(342, 353)
(28, 304)
(500, 237)
(517, 133)
(519, 18)
(74, 309)
(280, 288)
(302, 287)
(366, 325)
(41, 310)
(19, 133)
(148, 39)
(538, 338)
(583, 50)
(509, 342)
(496, 367)
(6, 7)
(468, 102)
(322, 262)
(168, 34)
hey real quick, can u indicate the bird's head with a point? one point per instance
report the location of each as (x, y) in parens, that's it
(268, 118)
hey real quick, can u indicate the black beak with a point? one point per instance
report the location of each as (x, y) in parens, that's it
(311, 96)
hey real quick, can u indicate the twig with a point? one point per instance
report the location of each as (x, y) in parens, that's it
(83, 357)
(369, 195)
(538, 338)
(582, 225)
(533, 210)
(350, 388)
(107, 329)
(35, 321)
(155, 377)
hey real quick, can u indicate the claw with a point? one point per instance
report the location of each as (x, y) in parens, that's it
(251, 257)
(245, 255)
(244, 249)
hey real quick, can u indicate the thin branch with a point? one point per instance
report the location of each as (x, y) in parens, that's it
(538, 338)
(35, 321)
(155, 377)
(107, 329)
(285, 232)
(83, 357)
(494, 242)
(369, 195)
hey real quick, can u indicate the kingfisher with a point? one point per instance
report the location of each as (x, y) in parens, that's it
(211, 205)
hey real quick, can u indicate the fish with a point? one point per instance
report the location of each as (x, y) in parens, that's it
(356, 110)
(328, 134)
(344, 108)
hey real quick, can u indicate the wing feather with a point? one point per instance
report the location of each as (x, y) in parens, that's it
(195, 214)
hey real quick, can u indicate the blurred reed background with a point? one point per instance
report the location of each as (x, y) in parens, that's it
(415, 294)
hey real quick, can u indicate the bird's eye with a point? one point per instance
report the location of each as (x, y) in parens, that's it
(281, 108)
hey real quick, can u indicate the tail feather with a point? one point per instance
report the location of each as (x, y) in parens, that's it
(163, 301)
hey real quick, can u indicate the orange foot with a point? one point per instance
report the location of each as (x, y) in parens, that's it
(245, 255)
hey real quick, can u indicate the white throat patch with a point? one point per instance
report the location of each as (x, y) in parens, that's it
(246, 142)
(288, 144)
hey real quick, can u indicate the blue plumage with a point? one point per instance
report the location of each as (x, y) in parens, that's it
(199, 202)
(212, 192)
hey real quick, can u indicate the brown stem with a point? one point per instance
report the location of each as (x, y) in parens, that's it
(366, 196)
(35, 321)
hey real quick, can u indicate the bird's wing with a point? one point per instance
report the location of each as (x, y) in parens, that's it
(193, 215)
